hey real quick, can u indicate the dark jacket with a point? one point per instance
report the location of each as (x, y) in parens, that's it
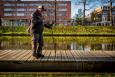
(36, 22)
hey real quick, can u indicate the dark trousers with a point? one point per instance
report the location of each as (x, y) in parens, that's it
(37, 42)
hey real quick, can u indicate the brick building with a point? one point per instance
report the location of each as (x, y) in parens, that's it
(18, 12)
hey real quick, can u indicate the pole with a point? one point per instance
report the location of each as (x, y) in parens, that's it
(55, 11)
(84, 3)
(55, 25)
(111, 20)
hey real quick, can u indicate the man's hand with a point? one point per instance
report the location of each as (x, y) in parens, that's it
(28, 30)
(50, 25)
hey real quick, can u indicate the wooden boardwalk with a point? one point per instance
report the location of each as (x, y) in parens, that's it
(59, 55)
(62, 60)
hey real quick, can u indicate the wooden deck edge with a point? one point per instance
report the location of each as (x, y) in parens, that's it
(56, 73)
(58, 66)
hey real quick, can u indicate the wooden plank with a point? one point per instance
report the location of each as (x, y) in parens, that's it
(61, 55)
(16, 54)
(76, 56)
(26, 56)
(23, 56)
(52, 55)
(29, 55)
(70, 56)
(99, 54)
(86, 55)
(31, 58)
(44, 52)
(64, 56)
(4, 53)
(79, 54)
(46, 57)
(58, 56)
(49, 56)
(110, 53)
(6, 56)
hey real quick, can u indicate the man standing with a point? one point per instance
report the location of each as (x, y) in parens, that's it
(36, 31)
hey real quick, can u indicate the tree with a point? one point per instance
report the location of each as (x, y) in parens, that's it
(80, 13)
(88, 3)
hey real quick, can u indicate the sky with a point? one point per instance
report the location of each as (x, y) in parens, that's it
(75, 6)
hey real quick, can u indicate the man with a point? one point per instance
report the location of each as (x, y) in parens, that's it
(36, 31)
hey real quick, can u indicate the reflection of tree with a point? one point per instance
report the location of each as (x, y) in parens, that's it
(87, 47)
(96, 47)
(73, 46)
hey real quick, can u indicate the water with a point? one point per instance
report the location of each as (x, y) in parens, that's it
(61, 43)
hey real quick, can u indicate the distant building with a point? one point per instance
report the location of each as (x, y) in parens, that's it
(101, 16)
(18, 12)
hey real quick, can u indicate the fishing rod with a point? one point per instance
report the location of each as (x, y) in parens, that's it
(49, 11)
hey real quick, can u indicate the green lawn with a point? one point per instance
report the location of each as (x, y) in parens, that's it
(62, 30)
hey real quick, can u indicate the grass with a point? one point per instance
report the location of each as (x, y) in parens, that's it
(62, 74)
(68, 40)
(62, 30)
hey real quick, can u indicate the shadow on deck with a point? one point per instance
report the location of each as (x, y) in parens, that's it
(62, 60)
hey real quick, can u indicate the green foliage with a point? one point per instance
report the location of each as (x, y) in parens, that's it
(62, 30)
(72, 74)
(59, 40)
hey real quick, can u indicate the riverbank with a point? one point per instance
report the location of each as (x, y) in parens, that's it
(62, 31)
(104, 35)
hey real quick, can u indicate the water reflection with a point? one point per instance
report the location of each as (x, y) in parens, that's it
(89, 47)
(63, 44)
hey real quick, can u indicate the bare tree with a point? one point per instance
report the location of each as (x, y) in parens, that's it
(88, 3)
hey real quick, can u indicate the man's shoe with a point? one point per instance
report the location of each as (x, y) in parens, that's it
(40, 55)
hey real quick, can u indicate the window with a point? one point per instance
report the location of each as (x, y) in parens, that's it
(63, 13)
(104, 13)
(59, 14)
(8, 9)
(21, 9)
(48, 4)
(7, 14)
(20, 14)
(9, 4)
(20, 4)
(34, 4)
(113, 12)
(64, 4)
(62, 9)
(32, 9)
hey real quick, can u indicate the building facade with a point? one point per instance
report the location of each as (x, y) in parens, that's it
(101, 15)
(18, 12)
